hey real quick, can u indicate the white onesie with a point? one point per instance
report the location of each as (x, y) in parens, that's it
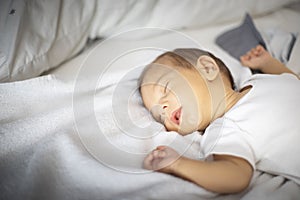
(263, 127)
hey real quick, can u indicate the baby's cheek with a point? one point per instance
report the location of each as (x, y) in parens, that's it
(169, 126)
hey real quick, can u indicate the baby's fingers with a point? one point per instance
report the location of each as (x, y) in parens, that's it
(159, 153)
(247, 56)
(244, 57)
(260, 48)
(245, 60)
(254, 52)
(147, 163)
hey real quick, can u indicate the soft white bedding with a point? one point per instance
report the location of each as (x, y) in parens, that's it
(82, 132)
(40, 35)
(42, 156)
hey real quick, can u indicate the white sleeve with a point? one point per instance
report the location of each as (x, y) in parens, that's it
(224, 137)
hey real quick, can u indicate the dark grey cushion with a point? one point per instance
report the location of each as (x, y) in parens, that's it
(241, 39)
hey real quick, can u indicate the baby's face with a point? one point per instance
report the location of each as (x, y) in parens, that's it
(172, 95)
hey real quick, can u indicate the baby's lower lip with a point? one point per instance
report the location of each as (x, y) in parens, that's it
(176, 114)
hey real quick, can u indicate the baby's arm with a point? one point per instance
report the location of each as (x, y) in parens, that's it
(225, 174)
(259, 58)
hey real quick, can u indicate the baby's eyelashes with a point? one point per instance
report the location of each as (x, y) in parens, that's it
(163, 101)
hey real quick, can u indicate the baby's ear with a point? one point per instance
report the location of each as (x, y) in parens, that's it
(208, 67)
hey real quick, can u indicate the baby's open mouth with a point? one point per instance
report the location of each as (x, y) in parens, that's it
(175, 117)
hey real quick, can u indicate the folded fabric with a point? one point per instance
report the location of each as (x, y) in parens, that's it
(294, 59)
(280, 43)
(241, 39)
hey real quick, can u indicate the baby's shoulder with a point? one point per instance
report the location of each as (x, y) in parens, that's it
(222, 125)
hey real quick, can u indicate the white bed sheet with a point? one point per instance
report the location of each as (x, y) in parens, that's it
(47, 127)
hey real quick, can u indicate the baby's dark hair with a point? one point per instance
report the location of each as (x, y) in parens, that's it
(187, 58)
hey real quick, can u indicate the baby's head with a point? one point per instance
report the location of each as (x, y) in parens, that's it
(184, 89)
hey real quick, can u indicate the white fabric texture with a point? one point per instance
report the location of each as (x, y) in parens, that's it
(262, 127)
(36, 36)
(42, 156)
(280, 44)
(39, 35)
(294, 58)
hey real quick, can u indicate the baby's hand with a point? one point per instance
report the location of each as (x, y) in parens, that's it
(161, 159)
(257, 58)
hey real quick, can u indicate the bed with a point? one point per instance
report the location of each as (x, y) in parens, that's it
(72, 123)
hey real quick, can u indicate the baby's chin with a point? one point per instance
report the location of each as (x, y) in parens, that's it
(186, 132)
(187, 128)
(180, 131)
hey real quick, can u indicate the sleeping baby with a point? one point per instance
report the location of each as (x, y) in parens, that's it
(191, 90)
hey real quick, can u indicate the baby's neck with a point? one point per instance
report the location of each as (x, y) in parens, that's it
(232, 97)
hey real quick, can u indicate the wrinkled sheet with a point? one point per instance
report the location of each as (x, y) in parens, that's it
(58, 141)
(43, 153)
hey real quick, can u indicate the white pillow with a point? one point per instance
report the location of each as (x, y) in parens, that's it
(39, 35)
(182, 14)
